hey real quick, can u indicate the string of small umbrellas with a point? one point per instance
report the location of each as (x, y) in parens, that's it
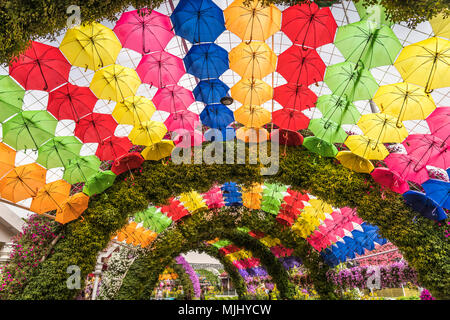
(424, 67)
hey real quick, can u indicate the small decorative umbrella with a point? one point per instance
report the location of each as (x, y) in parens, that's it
(81, 169)
(210, 91)
(50, 197)
(58, 151)
(11, 97)
(216, 116)
(390, 179)
(383, 128)
(251, 92)
(160, 69)
(252, 135)
(295, 96)
(375, 13)
(7, 159)
(254, 60)
(222, 134)
(252, 116)
(22, 182)
(95, 127)
(127, 162)
(206, 61)
(439, 123)
(287, 137)
(148, 133)
(327, 130)
(113, 147)
(290, 119)
(439, 191)
(175, 210)
(213, 198)
(133, 110)
(72, 208)
(173, 99)
(251, 197)
(338, 109)
(192, 201)
(429, 149)
(184, 119)
(158, 150)
(426, 206)
(440, 26)
(367, 148)
(319, 146)
(354, 162)
(408, 167)
(99, 183)
(188, 139)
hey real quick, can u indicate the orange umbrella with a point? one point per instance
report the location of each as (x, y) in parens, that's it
(252, 116)
(251, 197)
(22, 182)
(7, 159)
(50, 197)
(251, 92)
(254, 60)
(72, 208)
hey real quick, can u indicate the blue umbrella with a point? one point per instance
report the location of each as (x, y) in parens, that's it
(198, 20)
(210, 91)
(329, 257)
(206, 61)
(439, 191)
(226, 134)
(426, 206)
(216, 116)
(231, 194)
(354, 245)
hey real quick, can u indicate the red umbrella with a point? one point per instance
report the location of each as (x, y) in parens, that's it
(308, 25)
(174, 210)
(429, 149)
(295, 96)
(184, 119)
(407, 167)
(127, 162)
(71, 102)
(301, 66)
(160, 69)
(229, 249)
(113, 147)
(287, 137)
(173, 99)
(290, 119)
(390, 179)
(95, 127)
(40, 67)
(439, 123)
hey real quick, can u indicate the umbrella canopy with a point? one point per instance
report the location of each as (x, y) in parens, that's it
(319, 146)
(216, 116)
(251, 92)
(187, 139)
(253, 60)
(338, 109)
(144, 31)
(222, 134)
(72, 208)
(11, 97)
(429, 149)
(58, 151)
(206, 61)
(174, 210)
(404, 101)
(160, 69)
(301, 65)
(198, 21)
(158, 150)
(439, 191)
(113, 147)
(95, 127)
(390, 179)
(351, 81)
(440, 26)
(439, 123)
(295, 96)
(173, 99)
(254, 21)
(192, 201)
(133, 110)
(426, 206)
(407, 167)
(29, 129)
(213, 198)
(71, 102)
(290, 119)
(50, 197)
(210, 91)
(81, 168)
(287, 137)
(426, 63)
(327, 130)
(251, 197)
(366, 147)
(354, 162)
(127, 162)
(382, 128)
(364, 41)
(7, 159)
(148, 133)
(22, 182)
(184, 119)
(91, 46)
(252, 116)
(308, 25)
(99, 183)
(40, 67)
(153, 219)
(252, 135)
(115, 82)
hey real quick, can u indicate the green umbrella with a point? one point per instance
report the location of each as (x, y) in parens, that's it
(155, 220)
(363, 41)
(321, 147)
(58, 151)
(80, 169)
(99, 183)
(221, 243)
(327, 130)
(29, 129)
(243, 229)
(337, 109)
(270, 204)
(274, 190)
(11, 97)
(352, 82)
(375, 13)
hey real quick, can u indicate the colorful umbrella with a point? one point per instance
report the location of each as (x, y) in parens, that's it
(222, 134)
(173, 99)
(29, 129)
(390, 179)
(439, 191)
(144, 31)
(216, 116)
(319, 146)
(210, 91)
(91, 46)
(383, 128)
(113, 147)
(307, 25)
(198, 21)
(338, 109)
(72, 208)
(290, 119)
(40, 67)
(354, 162)
(295, 96)
(251, 92)
(327, 130)
(160, 69)
(95, 127)
(7, 159)
(206, 61)
(58, 151)
(213, 198)
(175, 210)
(133, 110)
(184, 119)
(99, 183)
(158, 150)
(440, 26)
(115, 82)
(439, 123)
(127, 162)
(366, 148)
(429, 149)
(252, 116)
(192, 201)
(187, 139)
(287, 137)
(148, 133)
(252, 135)
(80, 169)
(71, 102)
(254, 60)
(375, 13)
(50, 197)
(22, 182)
(11, 97)
(408, 167)
(426, 206)
(253, 20)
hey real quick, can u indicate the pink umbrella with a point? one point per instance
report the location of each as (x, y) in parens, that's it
(184, 119)
(430, 149)
(173, 99)
(144, 32)
(160, 69)
(214, 198)
(407, 167)
(439, 123)
(187, 139)
(390, 179)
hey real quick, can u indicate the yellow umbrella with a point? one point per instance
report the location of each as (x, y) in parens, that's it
(354, 162)
(192, 201)
(148, 133)
(270, 242)
(251, 197)
(50, 197)
(158, 150)
(115, 82)
(251, 92)
(133, 110)
(252, 135)
(366, 148)
(252, 21)
(405, 101)
(383, 128)
(441, 26)
(254, 60)
(320, 205)
(92, 46)
(306, 224)
(426, 63)
(252, 116)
